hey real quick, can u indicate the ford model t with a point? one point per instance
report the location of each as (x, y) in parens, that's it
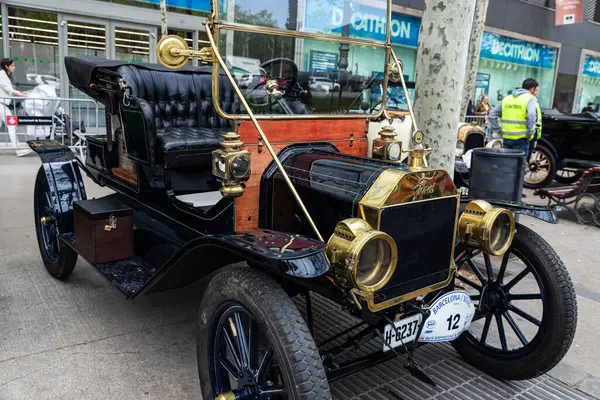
(207, 175)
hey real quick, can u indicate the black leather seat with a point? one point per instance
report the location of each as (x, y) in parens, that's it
(168, 116)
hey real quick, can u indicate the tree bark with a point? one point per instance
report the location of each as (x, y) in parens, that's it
(473, 60)
(441, 66)
(163, 18)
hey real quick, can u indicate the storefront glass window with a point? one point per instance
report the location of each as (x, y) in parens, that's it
(318, 73)
(132, 45)
(33, 41)
(85, 40)
(362, 21)
(589, 91)
(505, 63)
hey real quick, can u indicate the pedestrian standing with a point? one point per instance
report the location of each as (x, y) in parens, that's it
(519, 117)
(483, 106)
(7, 68)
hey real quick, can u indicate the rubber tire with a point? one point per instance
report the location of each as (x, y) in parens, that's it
(551, 174)
(67, 257)
(561, 306)
(568, 181)
(278, 317)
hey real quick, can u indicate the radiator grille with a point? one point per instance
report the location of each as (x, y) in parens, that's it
(424, 233)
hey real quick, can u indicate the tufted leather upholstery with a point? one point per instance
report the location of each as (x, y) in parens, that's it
(175, 112)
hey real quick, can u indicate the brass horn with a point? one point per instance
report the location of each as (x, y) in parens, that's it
(173, 52)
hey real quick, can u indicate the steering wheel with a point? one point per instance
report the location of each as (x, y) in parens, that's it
(279, 79)
(278, 76)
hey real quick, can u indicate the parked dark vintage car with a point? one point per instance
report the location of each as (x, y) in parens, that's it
(206, 175)
(570, 144)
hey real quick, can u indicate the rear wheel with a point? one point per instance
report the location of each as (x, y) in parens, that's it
(541, 168)
(253, 343)
(59, 259)
(526, 309)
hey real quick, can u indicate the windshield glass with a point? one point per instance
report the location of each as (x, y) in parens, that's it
(288, 74)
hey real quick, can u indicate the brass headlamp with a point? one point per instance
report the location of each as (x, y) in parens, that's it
(231, 165)
(486, 227)
(363, 257)
(387, 147)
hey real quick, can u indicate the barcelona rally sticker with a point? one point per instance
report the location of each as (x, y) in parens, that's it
(450, 316)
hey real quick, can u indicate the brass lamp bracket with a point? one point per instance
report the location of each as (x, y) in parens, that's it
(173, 52)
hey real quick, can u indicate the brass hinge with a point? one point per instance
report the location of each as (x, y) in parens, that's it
(351, 139)
(260, 144)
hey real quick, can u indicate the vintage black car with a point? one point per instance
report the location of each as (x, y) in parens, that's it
(206, 175)
(570, 144)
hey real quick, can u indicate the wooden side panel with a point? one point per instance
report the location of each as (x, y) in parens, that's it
(304, 131)
(246, 207)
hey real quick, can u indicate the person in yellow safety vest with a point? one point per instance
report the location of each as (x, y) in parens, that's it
(519, 117)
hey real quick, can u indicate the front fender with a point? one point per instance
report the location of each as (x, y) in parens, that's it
(283, 254)
(64, 179)
(542, 213)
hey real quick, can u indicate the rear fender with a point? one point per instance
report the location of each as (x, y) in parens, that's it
(64, 179)
(283, 254)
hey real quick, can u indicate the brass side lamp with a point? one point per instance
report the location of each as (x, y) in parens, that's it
(231, 165)
(387, 147)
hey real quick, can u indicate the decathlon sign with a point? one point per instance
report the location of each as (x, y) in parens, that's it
(591, 67)
(516, 51)
(362, 21)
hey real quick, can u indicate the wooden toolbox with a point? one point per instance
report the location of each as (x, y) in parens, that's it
(103, 229)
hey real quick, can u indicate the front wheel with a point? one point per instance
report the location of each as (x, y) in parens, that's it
(253, 343)
(526, 309)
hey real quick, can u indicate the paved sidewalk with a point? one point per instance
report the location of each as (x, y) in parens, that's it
(81, 339)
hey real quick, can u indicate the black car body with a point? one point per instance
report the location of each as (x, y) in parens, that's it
(570, 143)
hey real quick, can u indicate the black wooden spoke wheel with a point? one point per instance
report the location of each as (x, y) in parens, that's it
(541, 168)
(59, 259)
(525, 310)
(567, 177)
(253, 343)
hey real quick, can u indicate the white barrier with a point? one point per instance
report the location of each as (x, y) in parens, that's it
(67, 120)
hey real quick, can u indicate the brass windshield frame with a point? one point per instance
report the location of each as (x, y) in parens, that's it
(215, 24)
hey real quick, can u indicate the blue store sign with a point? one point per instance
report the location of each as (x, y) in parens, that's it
(365, 22)
(196, 5)
(591, 67)
(502, 48)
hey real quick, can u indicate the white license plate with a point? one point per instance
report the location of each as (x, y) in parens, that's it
(403, 332)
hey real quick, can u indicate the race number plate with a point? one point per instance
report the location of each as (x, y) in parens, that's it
(403, 332)
(450, 316)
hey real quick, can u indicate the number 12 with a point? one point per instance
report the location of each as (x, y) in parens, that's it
(453, 322)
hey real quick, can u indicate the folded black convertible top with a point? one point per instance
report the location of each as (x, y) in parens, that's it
(83, 71)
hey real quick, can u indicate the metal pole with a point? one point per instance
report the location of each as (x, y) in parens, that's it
(163, 18)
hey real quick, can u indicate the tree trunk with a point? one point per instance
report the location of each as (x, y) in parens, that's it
(473, 60)
(441, 66)
(163, 18)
